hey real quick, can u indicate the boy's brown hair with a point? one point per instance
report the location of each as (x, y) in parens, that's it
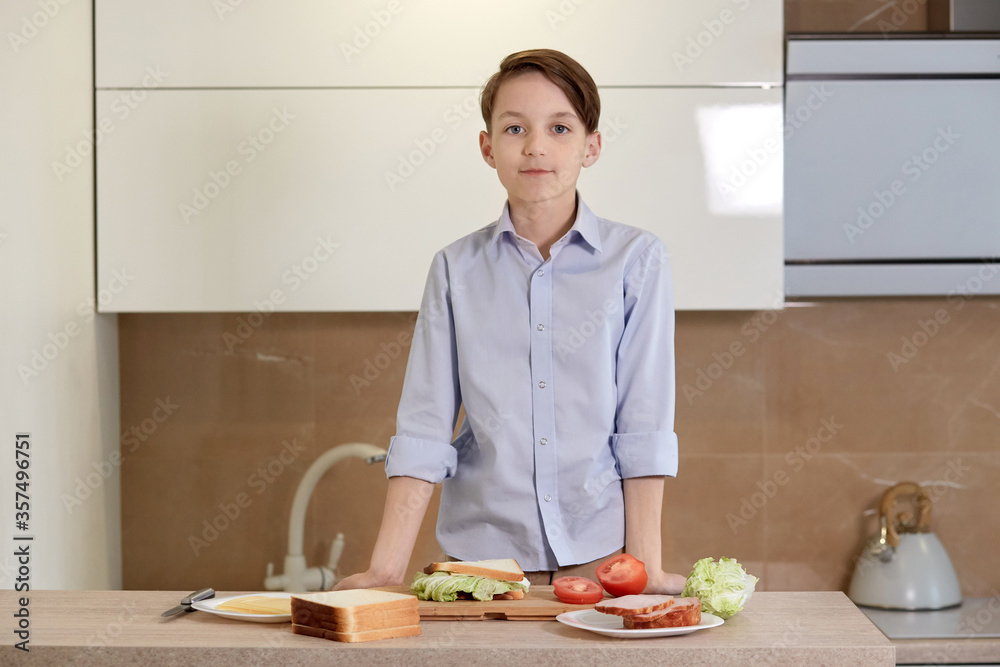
(558, 68)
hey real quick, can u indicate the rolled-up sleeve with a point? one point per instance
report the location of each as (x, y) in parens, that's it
(428, 407)
(644, 442)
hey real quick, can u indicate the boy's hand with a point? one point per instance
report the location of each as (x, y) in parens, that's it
(664, 583)
(365, 580)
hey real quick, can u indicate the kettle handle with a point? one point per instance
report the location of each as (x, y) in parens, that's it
(923, 504)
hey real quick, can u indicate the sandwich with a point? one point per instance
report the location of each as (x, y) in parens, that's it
(647, 612)
(355, 615)
(497, 579)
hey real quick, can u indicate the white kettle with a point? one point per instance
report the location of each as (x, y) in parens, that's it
(905, 566)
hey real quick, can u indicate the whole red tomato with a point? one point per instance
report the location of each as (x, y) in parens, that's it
(623, 575)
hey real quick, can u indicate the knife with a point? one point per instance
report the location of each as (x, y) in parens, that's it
(185, 604)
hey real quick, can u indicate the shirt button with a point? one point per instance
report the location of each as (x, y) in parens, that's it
(541, 327)
(541, 385)
(543, 441)
(540, 273)
(547, 497)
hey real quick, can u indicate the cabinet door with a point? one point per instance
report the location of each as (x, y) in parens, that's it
(273, 43)
(702, 168)
(329, 199)
(300, 200)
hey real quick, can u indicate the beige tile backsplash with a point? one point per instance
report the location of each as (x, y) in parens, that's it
(786, 446)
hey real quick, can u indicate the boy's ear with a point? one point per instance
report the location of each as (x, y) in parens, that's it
(486, 148)
(593, 148)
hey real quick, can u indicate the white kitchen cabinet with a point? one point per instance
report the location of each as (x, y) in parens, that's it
(336, 199)
(372, 43)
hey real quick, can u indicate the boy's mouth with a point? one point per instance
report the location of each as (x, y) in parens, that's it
(535, 172)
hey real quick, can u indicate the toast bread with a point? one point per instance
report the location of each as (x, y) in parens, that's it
(365, 636)
(504, 569)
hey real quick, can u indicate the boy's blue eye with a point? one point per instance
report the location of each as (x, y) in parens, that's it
(511, 129)
(561, 129)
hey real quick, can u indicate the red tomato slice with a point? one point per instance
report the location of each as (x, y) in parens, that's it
(623, 575)
(577, 590)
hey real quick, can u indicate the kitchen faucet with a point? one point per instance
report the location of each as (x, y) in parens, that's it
(297, 576)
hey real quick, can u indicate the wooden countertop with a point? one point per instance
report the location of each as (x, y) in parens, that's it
(111, 628)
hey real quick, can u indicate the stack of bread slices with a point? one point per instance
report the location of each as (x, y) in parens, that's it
(646, 612)
(355, 615)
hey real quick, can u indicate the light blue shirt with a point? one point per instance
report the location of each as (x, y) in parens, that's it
(566, 370)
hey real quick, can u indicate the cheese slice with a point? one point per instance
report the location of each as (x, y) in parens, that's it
(257, 604)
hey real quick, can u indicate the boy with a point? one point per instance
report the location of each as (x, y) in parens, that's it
(554, 328)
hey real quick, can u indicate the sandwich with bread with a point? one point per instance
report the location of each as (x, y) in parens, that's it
(496, 579)
(647, 612)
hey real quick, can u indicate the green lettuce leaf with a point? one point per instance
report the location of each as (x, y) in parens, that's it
(722, 587)
(444, 586)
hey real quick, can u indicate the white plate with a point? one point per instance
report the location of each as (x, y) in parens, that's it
(606, 624)
(210, 605)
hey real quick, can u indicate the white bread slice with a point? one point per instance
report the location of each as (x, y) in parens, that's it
(360, 622)
(367, 636)
(504, 569)
(359, 599)
(350, 606)
(630, 605)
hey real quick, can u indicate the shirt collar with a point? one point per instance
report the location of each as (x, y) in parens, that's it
(585, 224)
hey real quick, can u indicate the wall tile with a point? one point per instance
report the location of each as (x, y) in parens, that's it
(698, 508)
(833, 361)
(719, 364)
(291, 378)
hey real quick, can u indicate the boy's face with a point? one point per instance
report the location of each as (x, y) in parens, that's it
(537, 143)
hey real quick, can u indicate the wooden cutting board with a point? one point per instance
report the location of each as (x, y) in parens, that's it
(539, 604)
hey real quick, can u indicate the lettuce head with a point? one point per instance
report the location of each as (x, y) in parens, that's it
(722, 587)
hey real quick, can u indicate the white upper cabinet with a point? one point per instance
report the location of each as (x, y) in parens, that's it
(337, 199)
(375, 43)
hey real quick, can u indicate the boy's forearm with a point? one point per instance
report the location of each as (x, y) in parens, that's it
(405, 505)
(643, 511)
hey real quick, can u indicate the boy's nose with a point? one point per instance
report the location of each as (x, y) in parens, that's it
(535, 147)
